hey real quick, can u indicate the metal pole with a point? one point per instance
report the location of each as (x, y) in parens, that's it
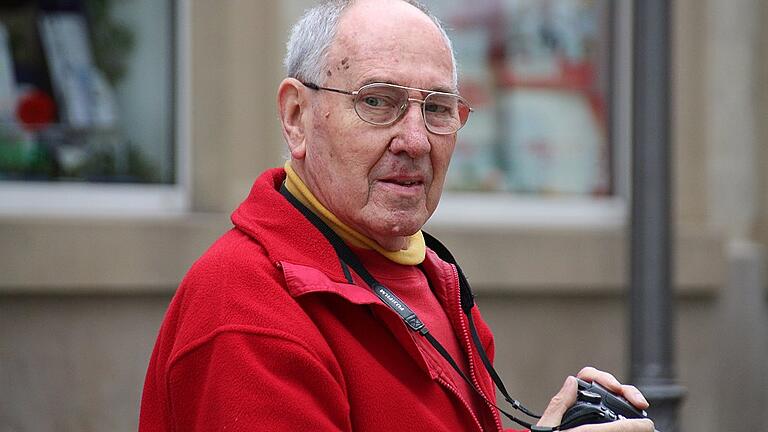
(651, 296)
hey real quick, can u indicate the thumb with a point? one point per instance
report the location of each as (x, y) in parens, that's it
(560, 403)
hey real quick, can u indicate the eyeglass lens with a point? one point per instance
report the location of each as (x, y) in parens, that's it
(383, 104)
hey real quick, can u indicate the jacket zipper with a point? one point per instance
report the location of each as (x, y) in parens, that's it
(432, 363)
(468, 344)
(453, 390)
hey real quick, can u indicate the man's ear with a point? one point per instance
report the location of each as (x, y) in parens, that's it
(293, 109)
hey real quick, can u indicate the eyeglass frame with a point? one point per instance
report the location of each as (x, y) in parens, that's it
(403, 108)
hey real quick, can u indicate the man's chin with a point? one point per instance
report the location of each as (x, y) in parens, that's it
(399, 230)
(391, 226)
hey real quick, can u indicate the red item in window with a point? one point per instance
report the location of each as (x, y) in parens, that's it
(35, 110)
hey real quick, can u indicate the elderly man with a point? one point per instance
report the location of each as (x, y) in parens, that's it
(324, 308)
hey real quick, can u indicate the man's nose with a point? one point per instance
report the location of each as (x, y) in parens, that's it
(413, 136)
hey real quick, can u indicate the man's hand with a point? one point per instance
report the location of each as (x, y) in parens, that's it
(567, 397)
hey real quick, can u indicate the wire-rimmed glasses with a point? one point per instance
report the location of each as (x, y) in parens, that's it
(382, 104)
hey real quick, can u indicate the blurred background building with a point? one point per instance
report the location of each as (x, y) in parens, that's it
(130, 129)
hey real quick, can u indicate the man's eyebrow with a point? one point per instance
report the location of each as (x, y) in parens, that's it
(445, 90)
(388, 81)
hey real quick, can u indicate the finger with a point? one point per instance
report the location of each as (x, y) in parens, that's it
(605, 379)
(560, 403)
(633, 395)
(630, 425)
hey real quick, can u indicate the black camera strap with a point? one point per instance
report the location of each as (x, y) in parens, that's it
(348, 259)
(467, 303)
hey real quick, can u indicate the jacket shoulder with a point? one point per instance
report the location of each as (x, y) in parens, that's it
(234, 284)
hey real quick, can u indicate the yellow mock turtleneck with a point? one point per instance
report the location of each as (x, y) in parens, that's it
(413, 255)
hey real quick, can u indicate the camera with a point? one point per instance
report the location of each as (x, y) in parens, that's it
(595, 404)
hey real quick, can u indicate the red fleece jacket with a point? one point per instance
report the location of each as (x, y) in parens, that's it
(265, 334)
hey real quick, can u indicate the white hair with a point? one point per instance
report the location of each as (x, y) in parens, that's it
(311, 37)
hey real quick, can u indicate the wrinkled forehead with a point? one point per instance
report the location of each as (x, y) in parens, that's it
(392, 41)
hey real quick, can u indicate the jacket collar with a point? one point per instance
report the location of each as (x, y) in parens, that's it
(290, 237)
(291, 240)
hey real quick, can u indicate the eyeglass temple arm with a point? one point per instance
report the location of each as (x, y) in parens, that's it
(314, 86)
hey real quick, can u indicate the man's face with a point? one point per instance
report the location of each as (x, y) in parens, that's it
(384, 181)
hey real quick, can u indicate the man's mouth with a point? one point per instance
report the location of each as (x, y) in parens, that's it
(403, 182)
(406, 182)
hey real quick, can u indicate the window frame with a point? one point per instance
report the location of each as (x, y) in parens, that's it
(53, 198)
(502, 209)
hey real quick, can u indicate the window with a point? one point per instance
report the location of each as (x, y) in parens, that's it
(539, 74)
(88, 97)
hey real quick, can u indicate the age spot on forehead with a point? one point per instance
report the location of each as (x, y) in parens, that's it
(343, 65)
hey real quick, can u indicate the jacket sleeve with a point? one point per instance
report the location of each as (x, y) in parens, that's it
(255, 379)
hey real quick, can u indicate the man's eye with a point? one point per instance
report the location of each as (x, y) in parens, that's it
(373, 101)
(436, 108)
